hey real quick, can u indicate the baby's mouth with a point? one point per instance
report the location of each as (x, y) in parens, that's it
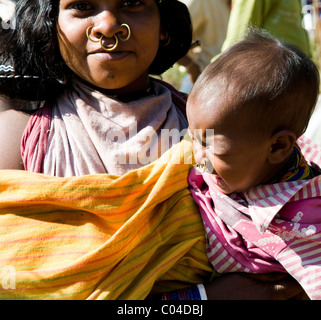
(218, 179)
(220, 183)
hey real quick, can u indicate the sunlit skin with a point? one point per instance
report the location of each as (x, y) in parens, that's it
(123, 70)
(237, 157)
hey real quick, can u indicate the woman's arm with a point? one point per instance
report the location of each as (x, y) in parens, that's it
(12, 125)
(241, 286)
(5, 103)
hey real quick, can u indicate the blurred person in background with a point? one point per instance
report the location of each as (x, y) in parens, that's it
(281, 18)
(210, 20)
(312, 24)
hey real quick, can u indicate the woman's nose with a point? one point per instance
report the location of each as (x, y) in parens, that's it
(107, 25)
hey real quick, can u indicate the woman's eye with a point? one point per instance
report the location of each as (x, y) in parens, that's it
(132, 3)
(81, 6)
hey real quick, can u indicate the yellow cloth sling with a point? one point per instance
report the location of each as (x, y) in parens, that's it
(101, 236)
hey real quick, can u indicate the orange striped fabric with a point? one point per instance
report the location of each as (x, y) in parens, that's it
(101, 236)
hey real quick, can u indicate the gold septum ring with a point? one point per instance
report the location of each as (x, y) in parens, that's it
(116, 36)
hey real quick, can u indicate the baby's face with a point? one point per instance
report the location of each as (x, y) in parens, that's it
(236, 157)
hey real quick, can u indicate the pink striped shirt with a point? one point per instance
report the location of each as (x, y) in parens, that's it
(270, 228)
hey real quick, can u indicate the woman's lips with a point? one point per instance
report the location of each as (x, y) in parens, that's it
(105, 56)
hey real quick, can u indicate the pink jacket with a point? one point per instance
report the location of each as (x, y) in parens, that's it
(277, 228)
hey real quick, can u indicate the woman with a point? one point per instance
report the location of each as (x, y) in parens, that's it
(72, 62)
(89, 61)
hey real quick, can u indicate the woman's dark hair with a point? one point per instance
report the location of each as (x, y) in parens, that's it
(31, 47)
(176, 23)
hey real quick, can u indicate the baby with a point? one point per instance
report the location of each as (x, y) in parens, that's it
(260, 199)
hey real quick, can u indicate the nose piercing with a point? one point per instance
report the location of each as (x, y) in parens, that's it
(101, 40)
(116, 36)
(113, 47)
(129, 33)
(202, 166)
(88, 34)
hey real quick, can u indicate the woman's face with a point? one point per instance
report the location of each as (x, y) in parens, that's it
(126, 68)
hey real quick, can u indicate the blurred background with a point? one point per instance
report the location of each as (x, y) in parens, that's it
(217, 24)
(310, 16)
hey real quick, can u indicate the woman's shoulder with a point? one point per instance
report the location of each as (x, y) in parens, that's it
(12, 126)
(13, 122)
(179, 98)
(11, 116)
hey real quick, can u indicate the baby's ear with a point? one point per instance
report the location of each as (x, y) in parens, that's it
(282, 144)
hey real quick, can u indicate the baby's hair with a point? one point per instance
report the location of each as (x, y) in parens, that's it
(276, 80)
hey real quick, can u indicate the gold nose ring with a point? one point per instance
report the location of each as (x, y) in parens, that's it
(100, 40)
(111, 48)
(116, 36)
(128, 32)
(88, 34)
